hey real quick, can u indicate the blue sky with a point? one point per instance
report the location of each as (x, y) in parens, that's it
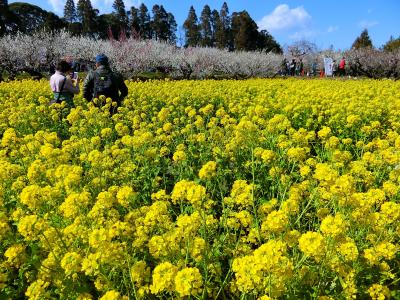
(325, 23)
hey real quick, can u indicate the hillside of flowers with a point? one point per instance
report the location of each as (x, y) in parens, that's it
(256, 189)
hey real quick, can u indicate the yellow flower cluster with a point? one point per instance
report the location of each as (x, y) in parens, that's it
(256, 189)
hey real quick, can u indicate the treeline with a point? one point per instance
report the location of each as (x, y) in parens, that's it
(220, 29)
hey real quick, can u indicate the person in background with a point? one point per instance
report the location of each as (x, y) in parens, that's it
(314, 68)
(64, 88)
(342, 67)
(103, 81)
(292, 67)
(334, 68)
(284, 70)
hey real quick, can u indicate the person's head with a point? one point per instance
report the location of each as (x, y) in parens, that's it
(101, 60)
(63, 66)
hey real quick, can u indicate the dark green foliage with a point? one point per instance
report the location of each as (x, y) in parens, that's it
(31, 18)
(192, 33)
(120, 14)
(107, 23)
(244, 31)
(267, 43)
(392, 44)
(215, 21)
(222, 34)
(205, 26)
(159, 23)
(144, 22)
(70, 11)
(87, 17)
(363, 41)
(171, 28)
(134, 26)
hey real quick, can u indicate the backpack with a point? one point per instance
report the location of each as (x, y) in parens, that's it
(104, 85)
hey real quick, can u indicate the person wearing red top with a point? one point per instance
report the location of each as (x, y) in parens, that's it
(342, 66)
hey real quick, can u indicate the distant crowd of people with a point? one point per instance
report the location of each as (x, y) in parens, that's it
(297, 68)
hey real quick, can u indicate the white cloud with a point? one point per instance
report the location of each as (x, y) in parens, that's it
(285, 18)
(367, 24)
(332, 29)
(303, 34)
(57, 5)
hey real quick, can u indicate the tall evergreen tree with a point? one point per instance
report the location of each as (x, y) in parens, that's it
(244, 31)
(70, 11)
(205, 27)
(215, 22)
(80, 7)
(120, 14)
(223, 33)
(159, 23)
(363, 41)
(172, 26)
(144, 22)
(134, 22)
(87, 16)
(192, 33)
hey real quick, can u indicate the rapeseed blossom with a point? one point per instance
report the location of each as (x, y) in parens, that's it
(263, 189)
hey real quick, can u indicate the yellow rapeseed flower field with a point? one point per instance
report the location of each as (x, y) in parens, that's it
(256, 189)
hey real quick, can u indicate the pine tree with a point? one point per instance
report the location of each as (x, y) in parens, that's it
(244, 31)
(144, 22)
(172, 26)
(223, 33)
(363, 41)
(159, 23)
(192, 34)
(392, 44)
(69, 11)
(80, 8)
(86, 16)
(134, 23)
(205, 27)
(120, 14)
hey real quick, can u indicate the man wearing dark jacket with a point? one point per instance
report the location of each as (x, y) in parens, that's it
(103, 81)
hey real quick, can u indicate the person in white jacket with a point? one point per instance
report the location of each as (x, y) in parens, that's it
(64, 88)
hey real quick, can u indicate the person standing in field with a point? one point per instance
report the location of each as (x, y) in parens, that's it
(62, 85)
(314, 68)
(292, 67)
(342, 67)
(301, 67)
(334, 68)
(104, 82)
